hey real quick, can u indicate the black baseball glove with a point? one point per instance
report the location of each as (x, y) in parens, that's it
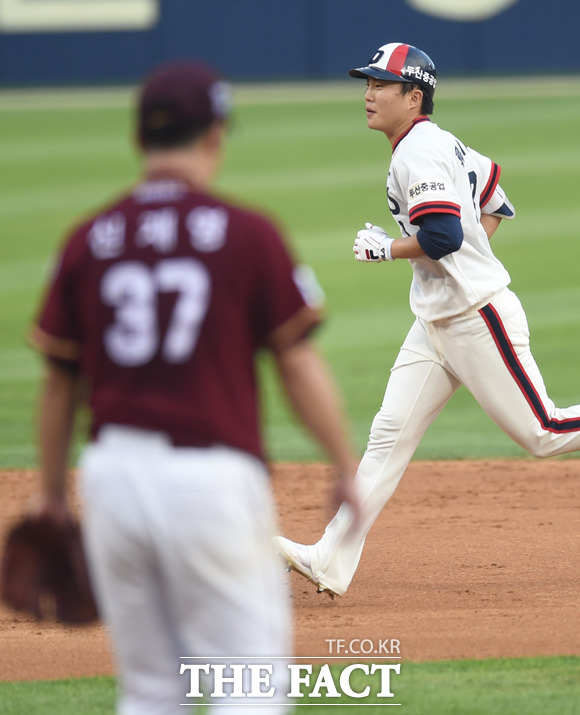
(44, 571)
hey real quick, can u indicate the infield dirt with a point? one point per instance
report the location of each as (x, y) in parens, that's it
(468, 560)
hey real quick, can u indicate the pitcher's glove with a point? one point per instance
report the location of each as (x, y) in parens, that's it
(44, 571)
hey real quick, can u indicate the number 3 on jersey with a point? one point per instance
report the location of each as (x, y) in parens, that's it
(132, 289)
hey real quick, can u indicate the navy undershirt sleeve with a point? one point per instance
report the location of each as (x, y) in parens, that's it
(439, 234)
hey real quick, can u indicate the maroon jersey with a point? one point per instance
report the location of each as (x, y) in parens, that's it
(163, 301)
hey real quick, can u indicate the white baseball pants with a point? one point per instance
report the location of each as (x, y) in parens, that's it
(488, 351)
(179, 545)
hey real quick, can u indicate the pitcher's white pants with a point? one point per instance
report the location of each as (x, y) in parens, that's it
(488, 351)
(179, 545)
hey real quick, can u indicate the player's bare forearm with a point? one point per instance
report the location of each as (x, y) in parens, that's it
(55, 425)
(407, 247)
(313, 395)
(490, 224)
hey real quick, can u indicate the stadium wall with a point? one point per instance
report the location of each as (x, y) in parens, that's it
(50, 42)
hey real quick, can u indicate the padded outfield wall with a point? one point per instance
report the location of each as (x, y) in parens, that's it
(47, 42)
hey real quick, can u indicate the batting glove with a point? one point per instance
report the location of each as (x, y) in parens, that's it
(372, 244)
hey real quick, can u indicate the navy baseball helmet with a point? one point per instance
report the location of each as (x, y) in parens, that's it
(398, 62)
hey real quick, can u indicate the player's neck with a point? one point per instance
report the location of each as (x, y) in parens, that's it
(196, 163)
(178, 165)
(397, 133)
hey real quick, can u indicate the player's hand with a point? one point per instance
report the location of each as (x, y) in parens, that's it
(372, 244)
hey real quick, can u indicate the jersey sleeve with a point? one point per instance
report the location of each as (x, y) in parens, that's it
(499, 205)
(289, 300)
(492, 198)
(55, 332)
(490, 182)
(427, 185)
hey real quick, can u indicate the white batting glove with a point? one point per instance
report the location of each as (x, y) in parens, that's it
(372, 244)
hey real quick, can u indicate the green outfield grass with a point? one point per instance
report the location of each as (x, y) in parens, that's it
(522, 686)
(306, 156)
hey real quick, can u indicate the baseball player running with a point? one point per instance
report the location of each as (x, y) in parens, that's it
(469, 328)
(157, 308)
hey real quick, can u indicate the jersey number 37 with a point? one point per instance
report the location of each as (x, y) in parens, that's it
(132, 288)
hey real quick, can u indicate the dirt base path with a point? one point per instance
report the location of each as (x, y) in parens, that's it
(469, 560)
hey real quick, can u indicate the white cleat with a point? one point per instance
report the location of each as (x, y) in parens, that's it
(297, 558)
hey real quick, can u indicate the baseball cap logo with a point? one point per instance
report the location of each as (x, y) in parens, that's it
(376, 57)
(220, 95)
(158, 119)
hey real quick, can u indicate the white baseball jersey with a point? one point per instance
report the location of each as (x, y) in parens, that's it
(433, 172)
(470, 328)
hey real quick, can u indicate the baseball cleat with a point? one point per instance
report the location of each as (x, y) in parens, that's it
(297, 558)
(320, 589)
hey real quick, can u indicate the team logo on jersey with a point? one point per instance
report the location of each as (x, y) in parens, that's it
(207, 228)
(107, 236)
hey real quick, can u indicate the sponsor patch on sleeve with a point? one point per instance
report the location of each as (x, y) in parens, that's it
(426, 189)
